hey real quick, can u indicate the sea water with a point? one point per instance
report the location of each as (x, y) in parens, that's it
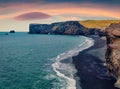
(34, 61)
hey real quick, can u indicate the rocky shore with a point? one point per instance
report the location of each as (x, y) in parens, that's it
(90, 66)
(96, 64)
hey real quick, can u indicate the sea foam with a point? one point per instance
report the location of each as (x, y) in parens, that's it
(67, 70)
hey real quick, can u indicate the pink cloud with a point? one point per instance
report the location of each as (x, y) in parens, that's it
(32, 16)
(57, 9)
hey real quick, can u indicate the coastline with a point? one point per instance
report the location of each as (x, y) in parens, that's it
(63, 66)
(91, 72)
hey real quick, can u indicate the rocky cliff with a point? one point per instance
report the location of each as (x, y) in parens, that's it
(63, 28)
(113, 51)
(39, 29)
(68, 28)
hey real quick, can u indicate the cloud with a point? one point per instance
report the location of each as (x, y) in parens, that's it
(32, 16)
(67, 17)
(60, 9)
(106, 2)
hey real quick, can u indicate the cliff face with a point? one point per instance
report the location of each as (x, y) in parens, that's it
(68, 28)
(39, 29)
(95, 31)
(63, 28)
(113, 51)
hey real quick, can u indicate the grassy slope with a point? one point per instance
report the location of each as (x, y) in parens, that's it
(102, 24)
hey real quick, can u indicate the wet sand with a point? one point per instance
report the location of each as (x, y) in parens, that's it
(90, 68)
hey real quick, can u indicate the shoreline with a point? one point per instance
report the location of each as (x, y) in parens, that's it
(91, 72)
(64, 67)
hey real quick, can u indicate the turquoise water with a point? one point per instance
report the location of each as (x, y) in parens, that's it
(26, 60)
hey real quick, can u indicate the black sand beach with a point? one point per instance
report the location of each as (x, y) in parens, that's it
(91, 71)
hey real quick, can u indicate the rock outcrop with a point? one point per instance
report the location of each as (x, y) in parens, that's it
(64, 28)
(12, 31)
(113, 51)
(67, 28)
(39, 29)
(95, 31)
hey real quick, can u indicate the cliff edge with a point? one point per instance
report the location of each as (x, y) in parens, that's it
(64, 28)
(113, 51)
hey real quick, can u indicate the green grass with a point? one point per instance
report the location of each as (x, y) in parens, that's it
(101, 24)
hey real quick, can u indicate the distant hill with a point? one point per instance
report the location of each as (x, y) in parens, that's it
(100, 24)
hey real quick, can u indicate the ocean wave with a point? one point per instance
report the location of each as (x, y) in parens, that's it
(67, 70)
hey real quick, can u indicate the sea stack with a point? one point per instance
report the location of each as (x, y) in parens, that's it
(12, 31)
(113, 51)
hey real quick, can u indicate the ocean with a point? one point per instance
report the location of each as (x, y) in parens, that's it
(36, 61)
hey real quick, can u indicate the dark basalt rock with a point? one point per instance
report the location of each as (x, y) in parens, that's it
(6, 34)
(95, 31)
(68, 28)
(64, 28)
(39, 29)
(12, 31)
(113, 51)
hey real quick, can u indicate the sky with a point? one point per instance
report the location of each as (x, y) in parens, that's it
(18, 14)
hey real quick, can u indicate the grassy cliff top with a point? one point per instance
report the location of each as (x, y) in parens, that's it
(102, 24)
